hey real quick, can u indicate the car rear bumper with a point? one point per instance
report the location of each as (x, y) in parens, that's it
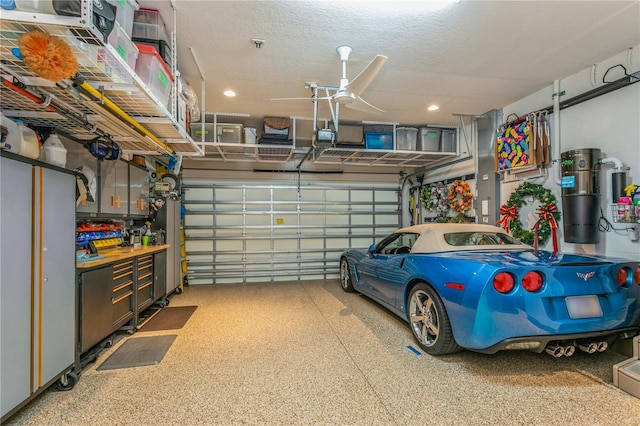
(539, 343)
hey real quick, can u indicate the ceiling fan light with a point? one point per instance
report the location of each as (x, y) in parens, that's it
(433, 107)
(229, 93)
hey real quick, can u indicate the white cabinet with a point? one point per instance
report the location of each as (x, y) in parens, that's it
(37, 280)
(114, 187)
(138, 191)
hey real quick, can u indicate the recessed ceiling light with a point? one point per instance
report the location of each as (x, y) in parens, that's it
(433, 107)
(229, 93)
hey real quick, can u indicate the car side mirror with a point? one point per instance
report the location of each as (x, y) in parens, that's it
(372, 249)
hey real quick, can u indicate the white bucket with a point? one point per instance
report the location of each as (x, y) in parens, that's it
(55, 151)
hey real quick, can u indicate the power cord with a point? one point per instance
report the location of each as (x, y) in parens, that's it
(604, 225)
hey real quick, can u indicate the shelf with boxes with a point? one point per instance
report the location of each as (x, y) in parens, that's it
(235, 137)
(108, 96)
(389, 144)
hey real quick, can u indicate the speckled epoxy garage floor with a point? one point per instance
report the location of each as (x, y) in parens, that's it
(308, 353)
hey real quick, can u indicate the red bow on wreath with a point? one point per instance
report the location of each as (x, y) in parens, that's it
(545, 213)
(508, 214)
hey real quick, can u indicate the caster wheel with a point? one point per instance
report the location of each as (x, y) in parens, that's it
(178, 290)
(67, 381)
(108, 343)
(167, 303)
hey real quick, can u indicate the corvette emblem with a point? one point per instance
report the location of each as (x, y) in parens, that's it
(585, 276)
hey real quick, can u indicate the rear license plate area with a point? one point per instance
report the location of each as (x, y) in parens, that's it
(583, 307)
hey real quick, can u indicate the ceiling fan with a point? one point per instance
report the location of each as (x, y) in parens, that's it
(348, 92)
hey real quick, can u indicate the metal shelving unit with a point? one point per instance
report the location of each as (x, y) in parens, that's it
(105, 71)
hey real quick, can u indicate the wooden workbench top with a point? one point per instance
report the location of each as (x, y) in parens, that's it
(121, 254)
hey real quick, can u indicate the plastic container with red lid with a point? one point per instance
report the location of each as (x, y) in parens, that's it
(154, 72)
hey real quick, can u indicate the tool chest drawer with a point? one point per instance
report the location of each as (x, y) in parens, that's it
(122, 297)
(144, 281)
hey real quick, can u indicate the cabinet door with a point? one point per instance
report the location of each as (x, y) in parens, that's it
(139, 191)
(96, 288)
(56, 223)
(15, 282)
(160, 274)
(114, 184)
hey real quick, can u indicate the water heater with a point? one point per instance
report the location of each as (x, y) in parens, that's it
(581, 195)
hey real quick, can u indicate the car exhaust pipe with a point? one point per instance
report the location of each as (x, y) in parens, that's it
(555, 350)
(602, 346)
(569, 350)
(588, 347)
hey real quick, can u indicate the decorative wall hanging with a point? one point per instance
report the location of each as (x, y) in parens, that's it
(459, 196)
(434, 197)
(523, 144)
(548, 215)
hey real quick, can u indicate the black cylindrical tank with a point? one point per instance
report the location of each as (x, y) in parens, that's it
(618, 183)
(580, 195)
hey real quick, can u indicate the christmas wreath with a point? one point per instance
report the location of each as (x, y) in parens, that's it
(548, 215)
(434, 197)
(459, 196)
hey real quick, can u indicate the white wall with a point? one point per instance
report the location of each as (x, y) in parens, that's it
(610, 122)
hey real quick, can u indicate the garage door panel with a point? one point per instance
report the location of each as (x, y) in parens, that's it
(268, 233)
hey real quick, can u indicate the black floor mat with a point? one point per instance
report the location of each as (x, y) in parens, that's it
(139, 351)
(172, 318)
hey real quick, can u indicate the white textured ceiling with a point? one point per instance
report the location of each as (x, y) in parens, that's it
(469, 57)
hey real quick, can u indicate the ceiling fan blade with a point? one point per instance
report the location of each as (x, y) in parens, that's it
(300, 99)
(362, 80)
(362, 105)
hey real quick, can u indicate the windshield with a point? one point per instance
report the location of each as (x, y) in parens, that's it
(479, 239)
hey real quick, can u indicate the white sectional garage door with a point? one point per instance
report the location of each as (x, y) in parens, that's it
(262, 233)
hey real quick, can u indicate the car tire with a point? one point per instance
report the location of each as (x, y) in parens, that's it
(429, 321)
(346, 279)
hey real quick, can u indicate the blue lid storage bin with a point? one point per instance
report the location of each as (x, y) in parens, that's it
(378, 140)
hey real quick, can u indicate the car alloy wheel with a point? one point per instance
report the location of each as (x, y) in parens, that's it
(345, 276)
(429, 321)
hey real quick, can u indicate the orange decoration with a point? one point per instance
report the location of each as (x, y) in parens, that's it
(47, 56)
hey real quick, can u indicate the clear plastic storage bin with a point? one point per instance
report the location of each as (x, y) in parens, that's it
(125, 11)
(429, 139)
(406, 138)
(153, 71)
(123, 45)
(197, 132)
(148, 24)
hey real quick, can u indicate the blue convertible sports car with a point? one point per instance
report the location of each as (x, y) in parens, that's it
(475, 287)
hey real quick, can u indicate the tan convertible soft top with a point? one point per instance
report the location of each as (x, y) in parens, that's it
(431, 239)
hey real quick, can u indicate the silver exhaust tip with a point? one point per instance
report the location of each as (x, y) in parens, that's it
(589, 348)
(602, 346)
(555, 350)
(569, 350)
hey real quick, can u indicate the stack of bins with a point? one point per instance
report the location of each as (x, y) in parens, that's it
(149, 29)
(120, 36)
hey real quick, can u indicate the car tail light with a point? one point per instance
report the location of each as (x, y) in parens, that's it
(636, 275)
(622, 277)
(532, 281)
(504, 282)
